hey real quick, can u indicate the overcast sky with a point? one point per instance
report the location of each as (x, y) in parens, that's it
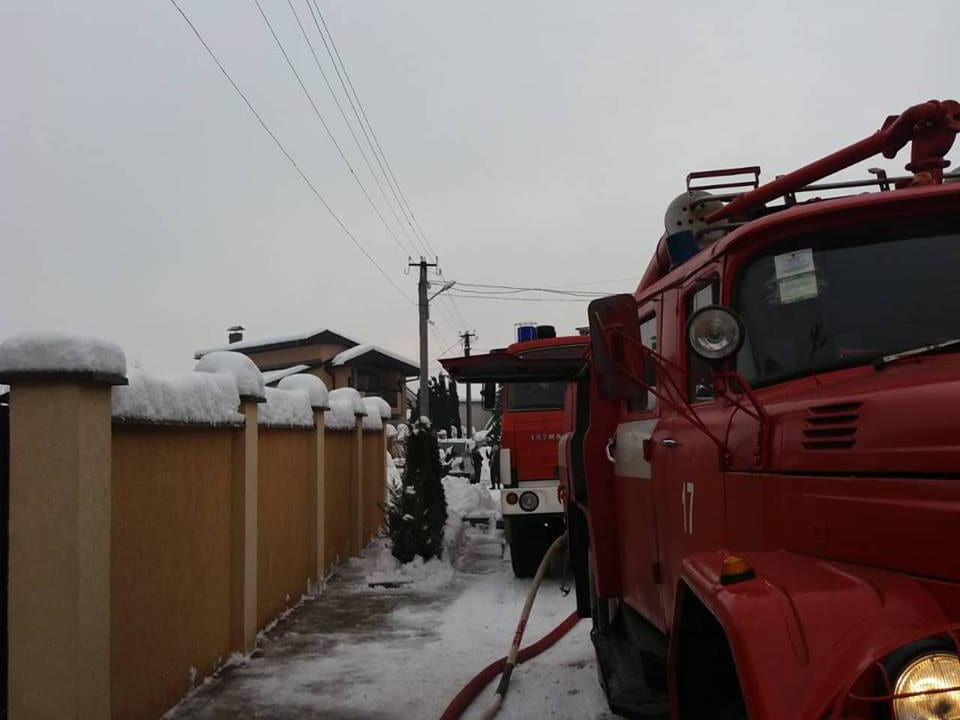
(538, 143)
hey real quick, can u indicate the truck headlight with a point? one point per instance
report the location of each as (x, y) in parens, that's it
(928, 674)
(529, 501)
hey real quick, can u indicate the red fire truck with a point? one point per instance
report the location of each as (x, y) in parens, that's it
(764, 469)
(533, 422)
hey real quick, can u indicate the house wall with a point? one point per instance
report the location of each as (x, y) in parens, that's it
(294, 356)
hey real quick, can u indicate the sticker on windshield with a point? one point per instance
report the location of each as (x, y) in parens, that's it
(796, 275)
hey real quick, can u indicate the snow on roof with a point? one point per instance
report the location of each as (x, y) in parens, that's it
(272, 376)
(365, 348)
(239, 367)
(345, 405)
(196, 398)
(61, 352)
(292, 338)
(311, 384)
(285, 408)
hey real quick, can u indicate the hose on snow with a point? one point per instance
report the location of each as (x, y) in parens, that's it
(504, 666)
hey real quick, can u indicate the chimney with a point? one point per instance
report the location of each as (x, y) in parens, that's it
(235, 334)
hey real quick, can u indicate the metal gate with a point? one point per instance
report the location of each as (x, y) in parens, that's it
(4, 544)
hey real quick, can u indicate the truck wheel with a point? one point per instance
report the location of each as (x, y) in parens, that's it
(525, 551)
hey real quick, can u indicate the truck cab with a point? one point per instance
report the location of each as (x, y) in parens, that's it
(762, 470)
(533, 421)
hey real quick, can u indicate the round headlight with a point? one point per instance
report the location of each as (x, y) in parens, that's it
(714, 333)
(929, 674)
(529, 501)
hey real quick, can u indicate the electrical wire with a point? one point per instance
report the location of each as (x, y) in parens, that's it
(505, 289)
(521, 299)
(286, 153)
(326, 127)
(388, 171)
(346, 121)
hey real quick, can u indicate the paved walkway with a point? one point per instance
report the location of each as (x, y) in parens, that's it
(380, 654)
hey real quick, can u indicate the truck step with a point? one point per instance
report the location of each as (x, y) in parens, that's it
(622, 677)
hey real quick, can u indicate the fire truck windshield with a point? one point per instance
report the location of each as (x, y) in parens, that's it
(848, 297)
(536, 396)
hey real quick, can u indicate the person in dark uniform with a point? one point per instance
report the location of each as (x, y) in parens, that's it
(494, 466)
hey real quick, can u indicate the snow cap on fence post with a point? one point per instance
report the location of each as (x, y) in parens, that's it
(314, 386)
(377, 410)
(241, 368)
(346, 408)
(45, 356)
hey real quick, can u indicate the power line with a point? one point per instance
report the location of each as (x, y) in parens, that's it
(326, 127)
(515, 289)
(346, 121)
(286, 153)
(388, 172)
(521, 299)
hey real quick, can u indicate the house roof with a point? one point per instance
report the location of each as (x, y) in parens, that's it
(324, 336)
(372, 355)
(274, 376)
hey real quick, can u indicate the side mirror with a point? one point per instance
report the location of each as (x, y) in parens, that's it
(488, 395)
(615, 344)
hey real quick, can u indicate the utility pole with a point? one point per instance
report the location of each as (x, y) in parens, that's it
(466, 352)
(424, 304)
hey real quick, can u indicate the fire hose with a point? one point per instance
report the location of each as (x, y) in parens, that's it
(505, 665)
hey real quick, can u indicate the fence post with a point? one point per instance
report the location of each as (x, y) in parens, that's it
(243, 520)
(318, 498)
(59, 570)
(358, 482)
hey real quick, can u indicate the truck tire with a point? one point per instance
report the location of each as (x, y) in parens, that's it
(525, 551)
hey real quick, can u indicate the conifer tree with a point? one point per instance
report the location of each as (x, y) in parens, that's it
(417, 511)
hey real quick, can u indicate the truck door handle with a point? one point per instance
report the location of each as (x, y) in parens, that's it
(611, 444)
(669, 442)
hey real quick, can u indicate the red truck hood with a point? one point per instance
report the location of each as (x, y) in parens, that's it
(901, 420)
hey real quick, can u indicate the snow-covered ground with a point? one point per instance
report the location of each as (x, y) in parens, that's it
(404, 651)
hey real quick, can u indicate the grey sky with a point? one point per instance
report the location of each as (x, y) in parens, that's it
(537, 142)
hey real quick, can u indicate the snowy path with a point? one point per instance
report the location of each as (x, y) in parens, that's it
(356, 652)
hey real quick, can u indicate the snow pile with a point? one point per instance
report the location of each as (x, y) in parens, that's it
(466, 499)
(61, 352)
(242, 369)
(345, 405)
(314, 386)
(377, 410)
(388, 428)
(285, 408)
(480, 436)
(197, 398)
(388, 572)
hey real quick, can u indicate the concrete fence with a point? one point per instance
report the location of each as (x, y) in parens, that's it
(144, 554)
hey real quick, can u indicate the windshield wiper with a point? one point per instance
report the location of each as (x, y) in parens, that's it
(882, 362)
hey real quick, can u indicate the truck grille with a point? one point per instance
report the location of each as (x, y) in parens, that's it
(832, 427)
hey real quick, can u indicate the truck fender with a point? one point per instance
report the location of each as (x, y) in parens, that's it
(803, 629)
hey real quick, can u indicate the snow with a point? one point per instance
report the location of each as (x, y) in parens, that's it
(377, 410)
(314, 387)
(61, 352)
(372, 419)
(358, 651)
(272, 376)
(195, 398)
(365, 348)
(4, 389)
(285, 408)
(241, 368)
(390, 429)
(345, 405)
(394, 479)
(274, 340)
